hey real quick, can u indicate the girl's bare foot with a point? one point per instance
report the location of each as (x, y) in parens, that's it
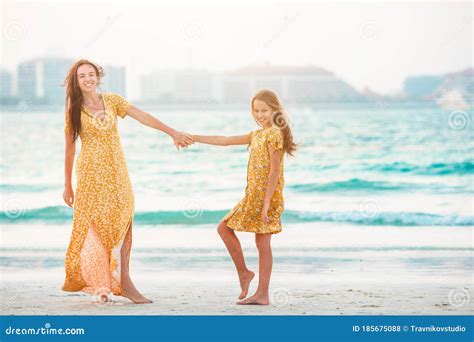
(245, 280)
(256, 299)
(129, 291)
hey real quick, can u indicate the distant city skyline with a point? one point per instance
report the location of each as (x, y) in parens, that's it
(40, 81)
(375, 45)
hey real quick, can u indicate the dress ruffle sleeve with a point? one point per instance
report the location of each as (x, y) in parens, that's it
(275, 138)
(120, 105)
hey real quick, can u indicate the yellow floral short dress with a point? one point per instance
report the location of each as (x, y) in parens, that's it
(103, 203)
(246, 215)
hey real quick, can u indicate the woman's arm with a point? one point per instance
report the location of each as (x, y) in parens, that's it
(273, 175)
(180, 139)
(222, 140)
(69, 153)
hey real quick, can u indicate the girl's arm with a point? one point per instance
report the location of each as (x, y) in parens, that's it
(69, 153)
(273, 175)
(222, 140)
(180, 139)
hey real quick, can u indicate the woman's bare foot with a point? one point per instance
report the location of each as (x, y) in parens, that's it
(135, 296)
(245, 280)
(129, 291)
(256, 299)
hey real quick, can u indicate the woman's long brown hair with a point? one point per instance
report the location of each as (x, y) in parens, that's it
(74, 98)
(279, 118)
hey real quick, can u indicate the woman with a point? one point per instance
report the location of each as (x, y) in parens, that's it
(97, 259)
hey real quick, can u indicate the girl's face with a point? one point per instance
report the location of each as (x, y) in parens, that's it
(262, 113)
(87, 78)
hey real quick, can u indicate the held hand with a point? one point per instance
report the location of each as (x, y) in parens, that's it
(68, 196)
(264, 214)
(181, 139)
(188, 138)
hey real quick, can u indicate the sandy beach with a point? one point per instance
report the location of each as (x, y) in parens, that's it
(180, 295)
(326, 270)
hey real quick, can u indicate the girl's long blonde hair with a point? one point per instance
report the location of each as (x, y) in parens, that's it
(279, 118)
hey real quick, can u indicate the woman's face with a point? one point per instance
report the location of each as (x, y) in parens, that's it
(262, 113)
(87, 78)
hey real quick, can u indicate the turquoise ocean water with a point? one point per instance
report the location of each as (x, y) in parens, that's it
(401, 170)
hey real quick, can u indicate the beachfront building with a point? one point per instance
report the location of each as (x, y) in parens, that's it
(6, 88)
(6, 84)
(40, 80)
(180, 86)
(114, 80)
(293, 84)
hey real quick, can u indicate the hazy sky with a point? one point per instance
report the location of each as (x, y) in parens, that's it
(375, 44)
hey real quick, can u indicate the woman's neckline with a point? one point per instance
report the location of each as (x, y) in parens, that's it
(87, 111)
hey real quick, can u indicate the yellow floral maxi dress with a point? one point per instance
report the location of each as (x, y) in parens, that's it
(103, 203)
(246, 215)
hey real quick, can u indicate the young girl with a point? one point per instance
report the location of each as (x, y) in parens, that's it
(260, 210)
